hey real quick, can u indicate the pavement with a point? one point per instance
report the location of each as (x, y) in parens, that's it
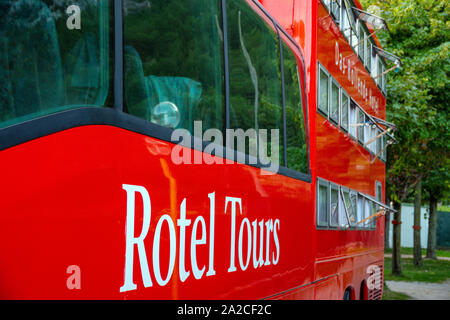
(422, 290)
(389, 255)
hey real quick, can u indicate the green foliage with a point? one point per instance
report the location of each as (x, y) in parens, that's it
(418, 94)
(435, 271)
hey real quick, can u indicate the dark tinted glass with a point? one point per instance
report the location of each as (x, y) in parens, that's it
(323, 91)
(54, 55)
(322, 216)
(297, 158)
(174, 62)
(344, 111)
(361, 125)
(255, 73)
(334, 106)
(334, 206)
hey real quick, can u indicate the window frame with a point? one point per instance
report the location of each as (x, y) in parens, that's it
(380, 185)
(331, 82)
(341, 94)
(355, 208)
(334, 186)
(323, 183)
(319, 90)
(360, 209)
(285, 38)
(361, 128)
(352, 128)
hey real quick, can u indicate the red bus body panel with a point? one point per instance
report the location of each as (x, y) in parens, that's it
(64, 203)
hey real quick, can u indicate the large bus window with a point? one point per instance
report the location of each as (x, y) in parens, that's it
(52, 58)
(297, 158)
(173, 71)
(255, 73)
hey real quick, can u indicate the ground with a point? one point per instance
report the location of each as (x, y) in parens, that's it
(432, 281)
(422, 290)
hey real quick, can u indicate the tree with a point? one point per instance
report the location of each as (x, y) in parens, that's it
(437, 185)
(417, 211)
(418, 96)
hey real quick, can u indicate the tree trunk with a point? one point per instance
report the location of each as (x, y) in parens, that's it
(432, 225)
(396, 235)
(417, 206)
(387, 220)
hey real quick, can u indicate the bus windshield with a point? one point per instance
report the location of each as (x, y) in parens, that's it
(53, 56)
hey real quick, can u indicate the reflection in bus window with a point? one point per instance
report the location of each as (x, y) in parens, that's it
(360, 210)
(373, 221)
(255, 77)
(45, 66)
(334, 102)
(343, 219)
(353, 121)
(353, 208)
(174, 75)
(362, 128)
(322, 207)
(368, 211)
(349, 205)
(334, 206)
(323, 91)
(344, 110)
(295, 120)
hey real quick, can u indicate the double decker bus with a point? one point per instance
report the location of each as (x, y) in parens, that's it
(122, 175)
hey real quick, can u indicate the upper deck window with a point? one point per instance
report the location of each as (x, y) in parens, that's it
(334, 205)
(322, 203)
(362, 128)
(334, 101)
(357, 35)
(255, 77)
(296, 153)
(353, 120)
(51, 57)
(174, 76)
(345, 102)
(323, 90)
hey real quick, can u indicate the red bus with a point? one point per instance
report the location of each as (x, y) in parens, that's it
(100, 201)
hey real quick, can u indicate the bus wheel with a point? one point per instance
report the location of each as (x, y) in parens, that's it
(347, 294)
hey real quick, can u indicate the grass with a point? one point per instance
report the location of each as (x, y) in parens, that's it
(435, 271)
(439, 253)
